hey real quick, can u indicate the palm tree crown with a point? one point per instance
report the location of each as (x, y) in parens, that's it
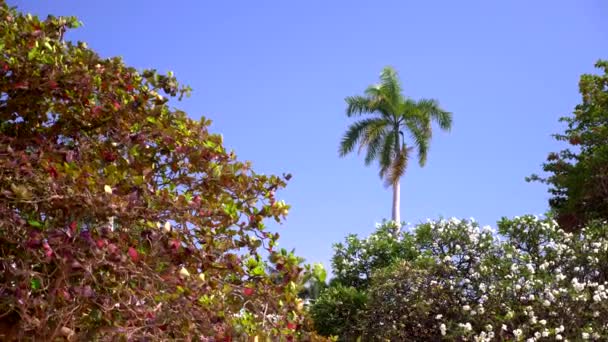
(390, 117)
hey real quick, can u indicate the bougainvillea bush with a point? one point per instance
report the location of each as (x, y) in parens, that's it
(528, 280)
(120, 217)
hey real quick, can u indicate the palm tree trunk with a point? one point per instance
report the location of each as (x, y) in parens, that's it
(396, 188)
(396, 205)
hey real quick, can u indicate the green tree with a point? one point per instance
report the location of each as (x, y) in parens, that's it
(383, 132)
(356, 258)
(339, 311)
(578, 176)
(120, 217)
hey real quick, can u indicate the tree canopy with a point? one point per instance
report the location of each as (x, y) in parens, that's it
(578, 175)
(121, 217)
(390, 116)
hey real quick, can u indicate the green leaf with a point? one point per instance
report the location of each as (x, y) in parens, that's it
(258, 271)
(34, 223)
(35, 284)
(32, 53)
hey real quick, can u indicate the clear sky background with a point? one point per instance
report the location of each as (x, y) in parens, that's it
(272, 75)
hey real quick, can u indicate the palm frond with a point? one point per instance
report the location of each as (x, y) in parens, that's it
(354, 134)
(373, 148)
(381, 101)
(420, 132)
(376, 127)
(357, 105)
(432, 108)
(387, 153)
(398, 166)
(390, 83)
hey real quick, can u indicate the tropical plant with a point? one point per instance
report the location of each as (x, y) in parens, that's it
(578, 176)
(339, 312)
(120, 217)
(356, 258)
(527, 280)
(383, 133)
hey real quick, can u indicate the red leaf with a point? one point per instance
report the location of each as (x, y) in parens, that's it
(65, 294)
(291, 325)
(21, 85)
(53, 171)
(48, 251)
(108, 156)
(112, 248)
(133, 254)
(73, 226)
(174, 244)
(248, 291)
(53, 84)
(116, 105)
(101, 243)
(5, 67)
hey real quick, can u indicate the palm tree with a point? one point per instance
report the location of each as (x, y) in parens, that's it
(389, 117)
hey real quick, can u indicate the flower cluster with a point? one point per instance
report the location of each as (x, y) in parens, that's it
(527, 281)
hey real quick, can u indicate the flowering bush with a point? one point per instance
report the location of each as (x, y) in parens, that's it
(120, 217)
(528, 280)
(355, 260)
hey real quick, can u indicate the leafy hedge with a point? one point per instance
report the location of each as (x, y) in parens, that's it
(528, 280)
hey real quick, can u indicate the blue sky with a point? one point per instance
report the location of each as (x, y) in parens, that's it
(273, 76)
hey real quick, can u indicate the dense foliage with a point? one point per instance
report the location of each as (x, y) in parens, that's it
(338, 312)
(456, 280)
(119, 216)
(578, 176)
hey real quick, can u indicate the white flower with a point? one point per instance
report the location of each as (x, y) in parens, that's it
(442, 328)
(546, 303)
(543, 322)
(466, 308)
(530, 268)
(184, 272)
(585, 335)
(439, 316)
(447, 258)
(107, 189)
(559, 337)
(517, 332)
